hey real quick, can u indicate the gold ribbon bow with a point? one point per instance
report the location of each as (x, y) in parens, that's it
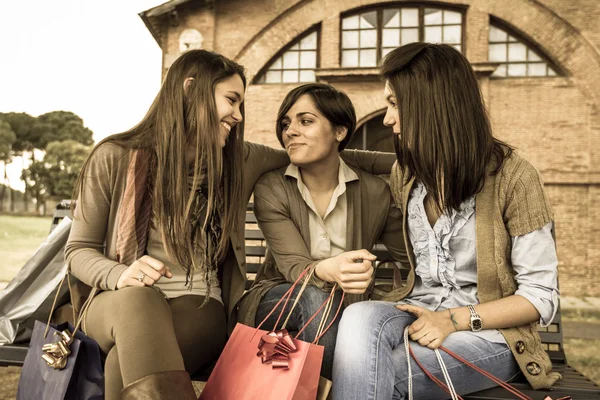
(56, 354)
(275, 348)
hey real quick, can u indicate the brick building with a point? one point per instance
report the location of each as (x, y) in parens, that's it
(538, 62)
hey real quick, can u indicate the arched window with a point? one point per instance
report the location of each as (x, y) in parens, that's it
(373, 135)
(297, 62)
(516, 58)
(367, 36)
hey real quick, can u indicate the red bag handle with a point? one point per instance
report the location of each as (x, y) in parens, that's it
(287, 297)
(498, 381)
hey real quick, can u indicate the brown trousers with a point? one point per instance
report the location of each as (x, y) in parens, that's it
(142, 333)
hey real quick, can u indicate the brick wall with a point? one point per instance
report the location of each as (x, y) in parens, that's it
(553, 122)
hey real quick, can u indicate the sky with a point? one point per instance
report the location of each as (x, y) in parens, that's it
(95, 58)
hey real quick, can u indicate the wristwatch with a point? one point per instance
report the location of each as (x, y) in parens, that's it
(475, 324)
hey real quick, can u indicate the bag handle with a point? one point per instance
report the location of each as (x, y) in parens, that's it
(321, 331)
(449, 388)
(84, 307)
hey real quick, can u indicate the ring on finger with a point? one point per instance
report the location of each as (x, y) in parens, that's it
(141, 277)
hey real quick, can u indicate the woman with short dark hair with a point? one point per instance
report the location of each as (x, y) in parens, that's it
(318, 212)
(479, 230)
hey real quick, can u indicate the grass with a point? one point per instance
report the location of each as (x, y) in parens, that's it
(583, 355)
(19, 238)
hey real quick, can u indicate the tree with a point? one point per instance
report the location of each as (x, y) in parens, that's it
(36, 133)
(55, 176)
(58, 126)
(21, 124)
(7, 140)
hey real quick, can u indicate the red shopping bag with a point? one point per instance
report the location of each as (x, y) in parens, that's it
(239, 373)
(245, 371)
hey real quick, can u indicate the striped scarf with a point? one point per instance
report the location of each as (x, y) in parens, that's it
(135, 211)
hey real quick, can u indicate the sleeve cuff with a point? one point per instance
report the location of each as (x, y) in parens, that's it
(547, 307)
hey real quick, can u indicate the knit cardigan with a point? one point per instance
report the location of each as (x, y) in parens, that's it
(511, 203)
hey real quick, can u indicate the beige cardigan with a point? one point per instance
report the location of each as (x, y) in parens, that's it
(91, 248)
(511, 203)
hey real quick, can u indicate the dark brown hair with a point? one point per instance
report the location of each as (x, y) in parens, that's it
(178, 119)
(445, 139)
(332, 103)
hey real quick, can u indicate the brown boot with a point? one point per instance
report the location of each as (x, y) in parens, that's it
(166, 385)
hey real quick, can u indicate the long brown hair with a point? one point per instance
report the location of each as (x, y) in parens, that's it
(445, 139)
(176, 119)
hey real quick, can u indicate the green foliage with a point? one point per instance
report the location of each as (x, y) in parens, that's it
(55, 176)
(21, 124)
(7, 139)
(58, 126)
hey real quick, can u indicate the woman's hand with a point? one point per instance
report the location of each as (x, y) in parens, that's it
(144, 271)
(352, 270)
(431, 327)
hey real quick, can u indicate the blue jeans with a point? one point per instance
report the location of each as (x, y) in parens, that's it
(370, 360)
(309, 303)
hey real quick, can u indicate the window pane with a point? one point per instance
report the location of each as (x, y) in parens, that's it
(551, 72)
(307, 76)
(410, 36)
(368, 58)
(290, 76)
(290, 60)
(273, 77)
(452, 17)
(308, 59)
(500, 71)
(276, 64)
(433, 16)
(537, 69)
(350, 40)
(497, 35)
(350, 22)
(497, 52)
(452, 34)
(391, 38)
(391, 18)
(517, 52)
(531, 56)
(309, 42)
(457, 47)
(295, 47)
(368, 20)
(350, 58)
(517, 69)
(368, 38)
(261, 79)
(433, 34)
(410, 17)
(511, 39)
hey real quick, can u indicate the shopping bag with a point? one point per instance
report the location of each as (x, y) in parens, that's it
(239, 373)
(258, 364)
(29, 296)
(81, 377)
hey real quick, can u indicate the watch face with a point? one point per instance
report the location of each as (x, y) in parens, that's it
(476, 324)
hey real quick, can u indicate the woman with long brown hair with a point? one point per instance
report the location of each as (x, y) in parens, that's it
(480, 245)
(159, 229)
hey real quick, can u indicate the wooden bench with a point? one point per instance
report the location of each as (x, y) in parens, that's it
(574, 383)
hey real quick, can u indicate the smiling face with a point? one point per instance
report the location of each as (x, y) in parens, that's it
(392, 115)
(229, 96)
(307, 135)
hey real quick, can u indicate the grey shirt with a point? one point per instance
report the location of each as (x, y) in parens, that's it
(446, 262)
